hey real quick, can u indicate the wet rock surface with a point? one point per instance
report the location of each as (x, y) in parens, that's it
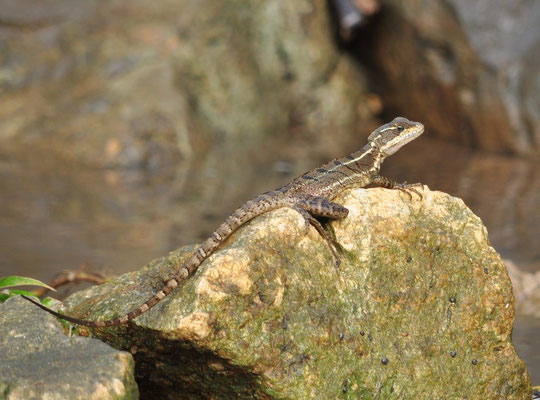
(421, 306)
(38, 361)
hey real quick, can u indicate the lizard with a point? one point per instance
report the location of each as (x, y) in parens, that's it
(310, 195)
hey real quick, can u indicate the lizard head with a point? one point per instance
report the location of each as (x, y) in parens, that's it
(390, 137)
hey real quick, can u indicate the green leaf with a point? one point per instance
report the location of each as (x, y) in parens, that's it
(14, 292)
(10, 281)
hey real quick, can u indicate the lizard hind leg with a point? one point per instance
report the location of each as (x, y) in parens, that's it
(321, 207)
(311, 220)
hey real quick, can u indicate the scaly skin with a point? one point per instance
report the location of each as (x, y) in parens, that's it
(310, 194)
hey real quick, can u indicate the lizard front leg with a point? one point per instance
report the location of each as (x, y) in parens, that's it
(312, 206)
(404, 187)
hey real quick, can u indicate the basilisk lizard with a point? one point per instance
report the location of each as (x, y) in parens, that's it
(310, 195)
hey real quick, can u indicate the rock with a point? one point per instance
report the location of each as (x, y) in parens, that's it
(477, 61)
(151, 84)
(526, 289)
(505, 35)
(38, 361)
(421, 307)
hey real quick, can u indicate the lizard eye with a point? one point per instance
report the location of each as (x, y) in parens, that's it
(400, 128)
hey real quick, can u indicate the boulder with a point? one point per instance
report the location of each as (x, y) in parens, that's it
(421, 307)
(38, 360)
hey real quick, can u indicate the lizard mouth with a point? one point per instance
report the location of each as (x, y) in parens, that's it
(399, 141)
(414, 133)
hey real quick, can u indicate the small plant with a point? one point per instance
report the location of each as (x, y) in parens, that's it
(14, 281)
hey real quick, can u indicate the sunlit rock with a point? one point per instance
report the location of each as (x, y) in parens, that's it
(420, 308)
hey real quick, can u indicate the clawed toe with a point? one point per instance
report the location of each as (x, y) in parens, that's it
(410, 187)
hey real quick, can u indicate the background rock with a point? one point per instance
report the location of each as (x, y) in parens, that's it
(143, 85)
(38, 361)
(526, 287)
(470, 70)
(421, 307)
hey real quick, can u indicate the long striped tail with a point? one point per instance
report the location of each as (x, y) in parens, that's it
(245, 213)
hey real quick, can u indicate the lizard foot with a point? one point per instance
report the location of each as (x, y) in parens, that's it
(404, 187)
(409, 187)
